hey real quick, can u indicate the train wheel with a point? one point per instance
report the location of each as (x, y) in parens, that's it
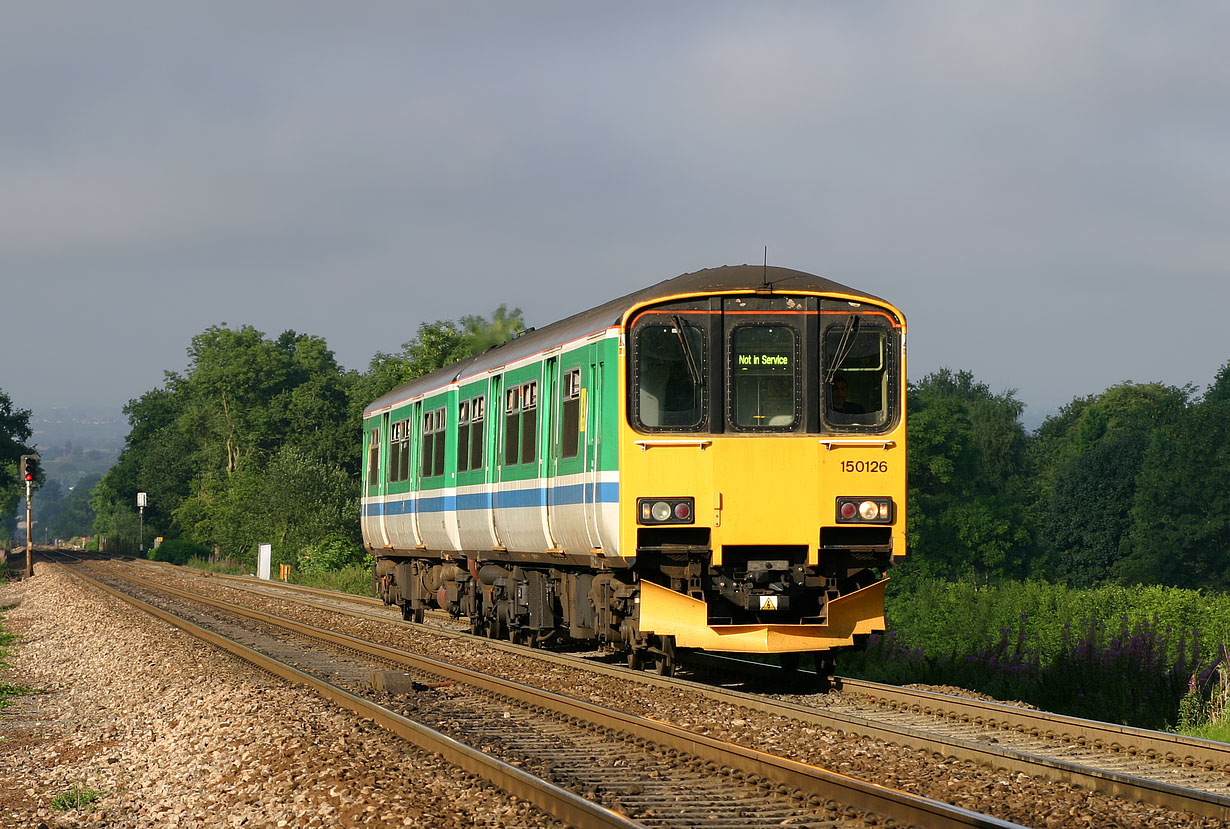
(667, 658)
(497, 628)
(826, 673)
(636, 659)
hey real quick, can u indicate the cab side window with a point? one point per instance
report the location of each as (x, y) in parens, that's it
(855, 376)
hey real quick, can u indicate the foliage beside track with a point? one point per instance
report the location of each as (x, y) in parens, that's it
(258, 442)
(1127, 655)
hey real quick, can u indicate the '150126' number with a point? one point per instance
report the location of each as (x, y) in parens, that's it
(864, 466)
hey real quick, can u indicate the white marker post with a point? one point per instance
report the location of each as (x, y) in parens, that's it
(264, 560)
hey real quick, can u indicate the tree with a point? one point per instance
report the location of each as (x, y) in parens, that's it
(1088, 459)
(243, 399)
(1089, 512)
(291, 503)
(967, 468)
(75, 517)
(1180, 533)
(258, 440)
(236, 386)
(160, 457)
(436, 345)
(484, 333)
(1219, 389)
(14, 432)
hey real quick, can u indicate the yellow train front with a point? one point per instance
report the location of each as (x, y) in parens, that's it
(740, 485)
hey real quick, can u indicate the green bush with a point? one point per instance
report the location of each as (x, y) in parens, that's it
(335, 552)
(178, 551)
(949, 619)
(1113, 653)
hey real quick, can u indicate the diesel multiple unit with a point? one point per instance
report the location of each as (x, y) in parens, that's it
(713, 462)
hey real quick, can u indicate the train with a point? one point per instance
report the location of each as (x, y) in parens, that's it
(712, 463)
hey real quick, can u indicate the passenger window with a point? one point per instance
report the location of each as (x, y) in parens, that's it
(529, 422)
(373, 458)
(429, 442)
(432, 458)
(570, 420)
(477, 421)
(399, 452)
(764, 361)
(441, 423)
(512, 424)
(463, 436)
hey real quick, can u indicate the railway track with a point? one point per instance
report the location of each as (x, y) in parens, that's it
(560, 753)
(1168, 770)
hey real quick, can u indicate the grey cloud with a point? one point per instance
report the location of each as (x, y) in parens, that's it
(352, 171)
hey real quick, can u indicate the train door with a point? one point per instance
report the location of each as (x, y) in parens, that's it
(520, 494)
(548, 431)
(491, 448)
(763, 346)
(416, 476)
(376, 481)
(497, 416)
(591, 432)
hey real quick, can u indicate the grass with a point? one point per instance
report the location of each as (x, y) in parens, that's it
(1219, 731)
(223, 565)
(78, 797)
(7, 690)
(356, 579)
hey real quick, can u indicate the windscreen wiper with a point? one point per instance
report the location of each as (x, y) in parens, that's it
(688, 356)
(844, 346)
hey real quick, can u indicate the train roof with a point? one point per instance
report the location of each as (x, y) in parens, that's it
(602, 317)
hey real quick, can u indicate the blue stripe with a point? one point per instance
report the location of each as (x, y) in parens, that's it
(437, 503)
(560, 496)
(475, 500)
(519, 498)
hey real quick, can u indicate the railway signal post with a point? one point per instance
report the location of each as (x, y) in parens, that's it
(142, 502)
(29, 469)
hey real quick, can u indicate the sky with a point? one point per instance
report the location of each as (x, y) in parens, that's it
(1043, 187)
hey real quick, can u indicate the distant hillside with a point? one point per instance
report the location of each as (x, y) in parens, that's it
(77, 441)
